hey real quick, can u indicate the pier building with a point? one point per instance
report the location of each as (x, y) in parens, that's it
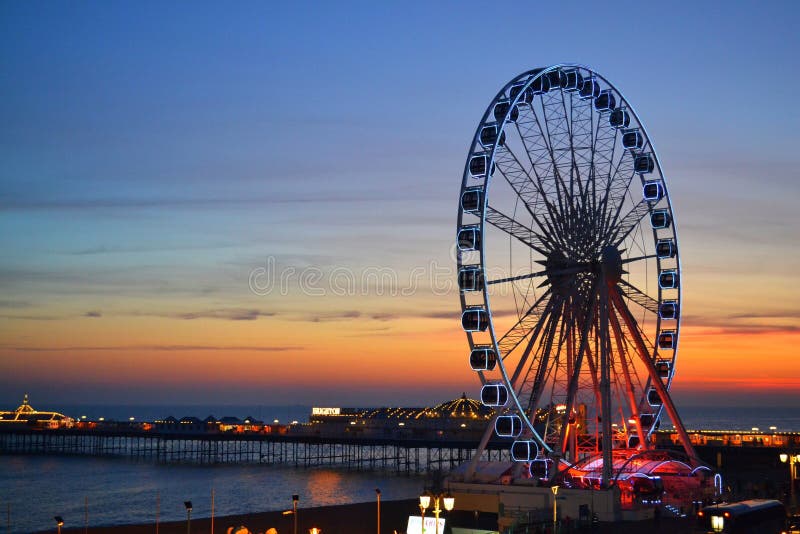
(26, 416)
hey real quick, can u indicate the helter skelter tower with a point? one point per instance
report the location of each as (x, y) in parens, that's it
(569, 271)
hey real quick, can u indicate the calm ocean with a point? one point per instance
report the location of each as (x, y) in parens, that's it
(120, 491)
(35, 488)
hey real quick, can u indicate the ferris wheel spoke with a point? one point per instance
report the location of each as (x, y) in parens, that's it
(621, 179)
(524, 325)
(604, 155)
(580, 137)
(639, 258)
(638, 296)
(547, 318)
(526, 188)
(544, 368)
(577, 268)
(619, 231)
(541, 179)
(556, 129)
(536, 145)
(519, 231)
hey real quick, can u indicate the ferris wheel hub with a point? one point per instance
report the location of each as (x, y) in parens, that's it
(611, 264)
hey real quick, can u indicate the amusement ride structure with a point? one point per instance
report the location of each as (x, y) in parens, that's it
(570, 284)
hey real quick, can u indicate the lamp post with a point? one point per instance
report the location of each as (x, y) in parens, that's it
(378, 496)
(59, 523)
(425, 500)
(792, 459)
(554, 489)
(188, 505)
(295, 498)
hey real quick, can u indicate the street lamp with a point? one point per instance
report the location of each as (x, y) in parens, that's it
(188, 505)
(378, 496)
(425, 500)
(295, 498)
(59, 522)
(554, 489)
(792, 460)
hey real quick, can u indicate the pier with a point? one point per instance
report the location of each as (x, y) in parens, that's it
(401, 456)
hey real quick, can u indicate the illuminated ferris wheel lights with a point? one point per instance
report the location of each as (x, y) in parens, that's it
(632, 140)
(652, 191)
(489, 135)
(483, 358)
(619, 118)
(472, 200)
(540, 86)
(663, 368)
(646, 419)
(643, 164)
(668, 310)
(590, 88)
(605, 101)
(660, 219)
(475, 319)
(478, 165)
(501, 110)
(469, 238)
(571, 80)
(524, 450)
(665, 248)
(508, 426)
(668, 279)
(494, 394)
(666, 339)
(470, 278)
(653, 398)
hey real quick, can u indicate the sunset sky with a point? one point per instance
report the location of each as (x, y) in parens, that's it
(257, 204)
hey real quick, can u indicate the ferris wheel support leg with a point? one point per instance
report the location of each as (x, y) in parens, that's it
(655, 379)
(582, 349)
(623, 358)
(605, 384)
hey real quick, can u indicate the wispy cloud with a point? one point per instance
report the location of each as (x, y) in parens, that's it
(15, 304)
(227, 314)
(33, 317)
(174, 202)
(161, 348)
(105, 249)
(333, 316)
(749, 323)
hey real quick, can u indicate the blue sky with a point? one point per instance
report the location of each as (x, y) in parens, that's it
(155, 153)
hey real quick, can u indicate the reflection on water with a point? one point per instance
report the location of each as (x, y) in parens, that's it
(120, 491)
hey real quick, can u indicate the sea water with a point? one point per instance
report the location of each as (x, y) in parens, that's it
(118, 491)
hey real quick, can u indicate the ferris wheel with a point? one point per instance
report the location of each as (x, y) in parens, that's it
(568, 269)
